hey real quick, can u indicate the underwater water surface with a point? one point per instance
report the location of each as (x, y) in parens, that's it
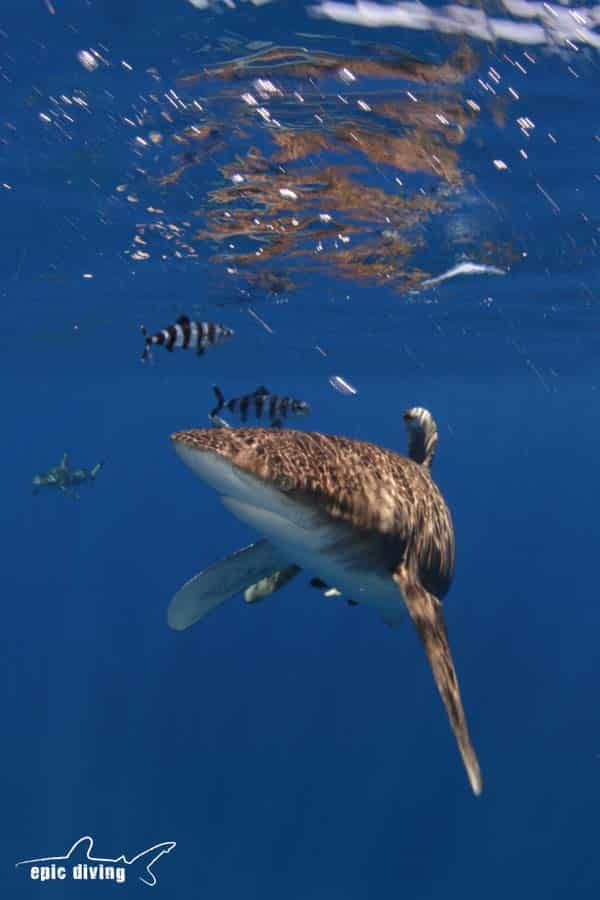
(412, 209)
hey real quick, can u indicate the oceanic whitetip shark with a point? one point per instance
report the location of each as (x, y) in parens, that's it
(65, 478)
(359, 517)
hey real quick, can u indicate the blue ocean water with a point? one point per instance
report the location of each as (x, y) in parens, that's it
(297, 747)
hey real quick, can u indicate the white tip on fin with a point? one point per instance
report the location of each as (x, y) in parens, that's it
(207, 590)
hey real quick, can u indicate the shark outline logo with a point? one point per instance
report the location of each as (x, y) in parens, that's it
(157, 850)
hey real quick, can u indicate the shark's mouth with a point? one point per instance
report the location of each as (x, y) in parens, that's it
(285, 521)
(234, 484)
(303, 534)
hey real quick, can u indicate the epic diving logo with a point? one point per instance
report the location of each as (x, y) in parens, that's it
(79, 865)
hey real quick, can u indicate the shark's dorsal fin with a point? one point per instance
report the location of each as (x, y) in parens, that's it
(262, 391)
(82, 848)
(64, 462)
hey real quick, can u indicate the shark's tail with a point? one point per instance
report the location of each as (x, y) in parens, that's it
(220, 401)
(143, 862)
(96, 469)
(147, 351)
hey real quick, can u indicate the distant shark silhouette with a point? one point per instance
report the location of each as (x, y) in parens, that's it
(81, 852)
(65, 478)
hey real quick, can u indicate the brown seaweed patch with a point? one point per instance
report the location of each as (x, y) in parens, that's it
(365, 234)
(298, 62)
(416, 152)
(317, 178)
(296, 144)
(443, 115)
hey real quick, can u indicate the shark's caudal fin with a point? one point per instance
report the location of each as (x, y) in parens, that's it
(96, 469)
(143, 862)
(425, 611)
(230, 576)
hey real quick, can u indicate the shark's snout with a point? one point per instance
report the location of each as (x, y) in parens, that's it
(213, 468)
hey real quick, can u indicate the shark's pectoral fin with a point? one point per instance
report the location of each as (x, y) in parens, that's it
(425, 611)
(270, 584)
(207, 590)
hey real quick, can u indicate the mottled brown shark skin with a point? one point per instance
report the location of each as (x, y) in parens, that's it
(385, 500)
(426, 613)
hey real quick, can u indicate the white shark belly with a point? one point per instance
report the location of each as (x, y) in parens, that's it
(305, 538)
(308, 544)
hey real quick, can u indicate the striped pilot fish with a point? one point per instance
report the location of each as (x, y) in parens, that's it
(185, 333)
(262, 401)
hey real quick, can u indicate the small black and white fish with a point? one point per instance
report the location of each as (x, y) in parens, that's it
(258, 403)
(185, 333)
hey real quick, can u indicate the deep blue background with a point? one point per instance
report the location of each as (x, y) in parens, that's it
(295, 749)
